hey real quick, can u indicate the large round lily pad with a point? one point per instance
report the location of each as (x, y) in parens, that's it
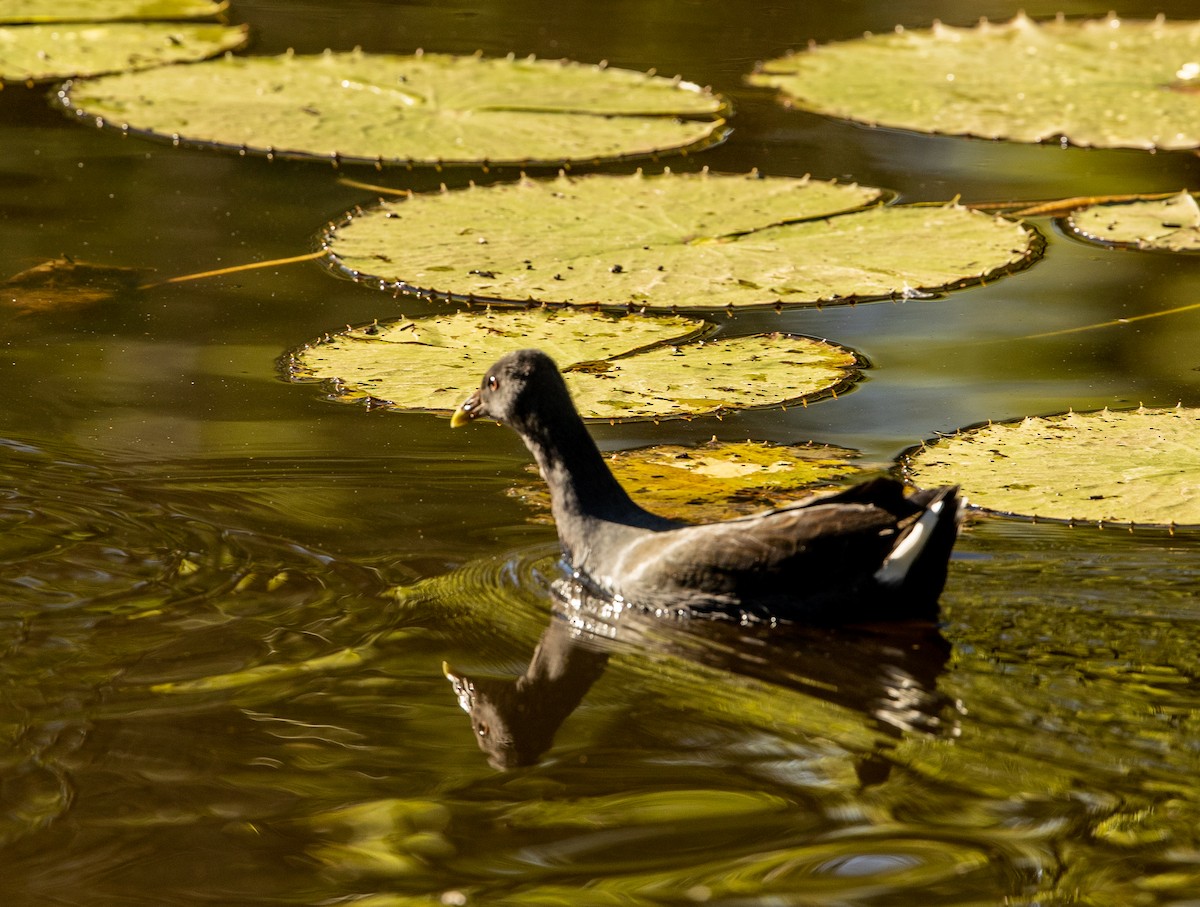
(1111, 83)
(617, 368)
(48, 52)
(673, 240)
(1167, 225)
(422, 109)
(1136, 466)
(719, 479)
(26, 11)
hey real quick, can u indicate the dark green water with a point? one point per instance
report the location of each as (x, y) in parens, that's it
(225, 601)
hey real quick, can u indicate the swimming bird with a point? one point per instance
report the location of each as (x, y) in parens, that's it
(866, 553)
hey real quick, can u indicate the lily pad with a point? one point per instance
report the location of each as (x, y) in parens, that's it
(719, 480)
(1136, 466)
(27, 11)
(1167, 225)
(617, 368)
(44, 53)
(422, 109)
(1109, 83)
(700, 240)
(63, 283)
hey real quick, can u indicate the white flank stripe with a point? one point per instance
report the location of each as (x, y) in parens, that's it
(897, 564)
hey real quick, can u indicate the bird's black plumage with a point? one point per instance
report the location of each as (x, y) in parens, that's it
(869, 552)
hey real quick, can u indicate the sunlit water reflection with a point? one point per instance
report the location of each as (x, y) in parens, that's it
(181, 695)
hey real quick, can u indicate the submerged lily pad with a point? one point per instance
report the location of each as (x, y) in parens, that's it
(616, 368)
(719, 480)
(1136, 466)
(1168, 225)
(23, 11)
(1111, 83)
(63, 283)
(422, 109)
(43, 53)
(673, 240)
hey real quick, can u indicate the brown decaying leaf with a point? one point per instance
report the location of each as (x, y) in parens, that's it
(719, 480)
(63, 283)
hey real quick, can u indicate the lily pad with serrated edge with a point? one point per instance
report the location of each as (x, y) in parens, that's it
(628, 367)
(1106, 83)
(1133, 466)
(422, 109)
(45, 53)
(719, 480)
(700, 240)
(1165, 225)
(30, 11)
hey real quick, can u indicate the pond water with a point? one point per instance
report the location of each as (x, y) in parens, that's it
(226, 601)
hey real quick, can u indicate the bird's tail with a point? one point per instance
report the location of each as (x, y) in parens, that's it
(916, 566)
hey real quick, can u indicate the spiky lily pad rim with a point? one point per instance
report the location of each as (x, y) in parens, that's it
(290, 369)
(1019, 19)
(1066, 223)
(717, 135)
(905, 462)
(325, 240)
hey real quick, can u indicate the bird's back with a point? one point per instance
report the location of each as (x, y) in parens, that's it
(818, 560)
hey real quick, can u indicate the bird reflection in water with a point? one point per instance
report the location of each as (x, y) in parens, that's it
(887, 673)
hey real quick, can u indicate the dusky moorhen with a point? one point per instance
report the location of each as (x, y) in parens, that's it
(865, 553)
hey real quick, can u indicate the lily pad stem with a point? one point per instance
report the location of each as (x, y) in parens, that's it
(234, 269)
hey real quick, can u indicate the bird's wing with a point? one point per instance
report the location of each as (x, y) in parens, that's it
(801, 550)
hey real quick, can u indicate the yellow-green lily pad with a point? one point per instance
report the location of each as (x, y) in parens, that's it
(1166, 225)
(49, 52)
(629, 367)
(420, 109)
(1109, 83)
(719, 479)
(701, 240)
(29, 11)
(1135, 466)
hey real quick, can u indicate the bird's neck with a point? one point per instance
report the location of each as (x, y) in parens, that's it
(583, 490)
(581, 484)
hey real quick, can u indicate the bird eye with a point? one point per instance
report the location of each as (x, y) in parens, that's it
(492, 383)
(482, 729)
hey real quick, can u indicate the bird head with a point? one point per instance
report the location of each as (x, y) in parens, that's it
(513, 389)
